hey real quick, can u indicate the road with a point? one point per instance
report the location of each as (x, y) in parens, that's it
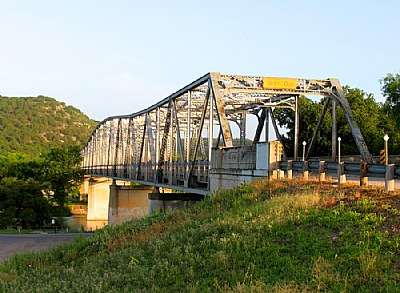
(16, 243)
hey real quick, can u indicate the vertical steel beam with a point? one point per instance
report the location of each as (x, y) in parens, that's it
(267, 128)
(151, 144)
(296, 128)
(334, 130)
(164, 142)
(178, 133)
(110, 143)
(171, 147)
(210, 127)
(200, 129)
(278, 135)
(92, 148)
(141, 152)
(242, 128)
(158, 135)
(188, 144)
(127, 159)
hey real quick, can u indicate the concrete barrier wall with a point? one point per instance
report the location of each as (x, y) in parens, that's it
(235, 165)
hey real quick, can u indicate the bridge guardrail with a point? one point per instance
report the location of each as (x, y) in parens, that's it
(397, 173)
(388, 172)
(313, 165)
(297, 165)
(352, 168)
(375, 170)
(331, 167)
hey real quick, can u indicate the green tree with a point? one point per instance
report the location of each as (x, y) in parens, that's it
(369, 115)
(35, 125)
(391, 91)
(308, 117)
(62, 172)
(22, 203)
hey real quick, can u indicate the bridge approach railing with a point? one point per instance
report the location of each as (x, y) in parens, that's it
(320, 169)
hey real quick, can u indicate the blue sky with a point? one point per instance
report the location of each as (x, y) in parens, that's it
(118, 57)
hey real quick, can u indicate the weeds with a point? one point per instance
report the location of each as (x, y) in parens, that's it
(286, 236)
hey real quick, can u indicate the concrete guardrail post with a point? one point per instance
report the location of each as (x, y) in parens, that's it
(363, 174)
(341, 174)
(389, 178)
(321, 171)
(280, 174)
(305, 170)
(290, 169)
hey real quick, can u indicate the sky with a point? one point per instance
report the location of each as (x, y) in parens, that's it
(117, 57)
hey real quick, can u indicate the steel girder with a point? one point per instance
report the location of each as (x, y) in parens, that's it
(169, 143)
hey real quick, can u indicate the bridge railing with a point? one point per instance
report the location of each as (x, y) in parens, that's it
(174, 172)
(363, 170)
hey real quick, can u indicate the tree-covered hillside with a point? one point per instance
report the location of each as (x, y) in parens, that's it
(33, 125)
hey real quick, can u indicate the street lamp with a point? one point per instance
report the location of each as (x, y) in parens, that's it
(386, 138)
(339, 139)
(304, 149)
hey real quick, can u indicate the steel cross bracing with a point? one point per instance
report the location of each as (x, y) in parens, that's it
(169, 144)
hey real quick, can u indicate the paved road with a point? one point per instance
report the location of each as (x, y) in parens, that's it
(15, 243)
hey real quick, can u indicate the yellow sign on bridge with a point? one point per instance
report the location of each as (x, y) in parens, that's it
(279, 83)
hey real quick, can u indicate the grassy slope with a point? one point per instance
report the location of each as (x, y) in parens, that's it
(279, 236)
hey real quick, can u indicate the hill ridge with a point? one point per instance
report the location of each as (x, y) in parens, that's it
(32, 125)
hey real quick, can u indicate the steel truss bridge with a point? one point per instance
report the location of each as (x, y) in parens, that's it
(170, 143)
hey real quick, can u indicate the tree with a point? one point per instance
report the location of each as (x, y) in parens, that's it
(62, 172)
(22, 203)
(309, 114)
(391, 91)
(369, 115)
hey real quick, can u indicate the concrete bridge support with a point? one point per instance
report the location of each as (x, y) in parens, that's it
(98, 199)
(116, 202)
(127, 202)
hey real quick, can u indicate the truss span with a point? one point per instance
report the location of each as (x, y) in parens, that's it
(170, 143)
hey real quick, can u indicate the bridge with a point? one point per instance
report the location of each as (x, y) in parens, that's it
(195, 141)
(181, 141)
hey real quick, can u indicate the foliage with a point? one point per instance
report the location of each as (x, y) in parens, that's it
(391, 91)
(369, 115)
(32, 125)
(22, 203)
(32, 189)
(264, 237)
(61, 171)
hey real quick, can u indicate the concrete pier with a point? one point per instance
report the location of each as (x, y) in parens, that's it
(127, 202)
(98, 199)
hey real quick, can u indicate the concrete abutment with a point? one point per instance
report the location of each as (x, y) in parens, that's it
(117, 201)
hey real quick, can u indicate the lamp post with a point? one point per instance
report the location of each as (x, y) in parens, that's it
(339, 139)
(386, 138)
(304, 149)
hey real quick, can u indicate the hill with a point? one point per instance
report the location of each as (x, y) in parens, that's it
(33, 125)
(282, 236)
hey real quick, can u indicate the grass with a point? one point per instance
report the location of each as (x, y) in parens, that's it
(16, 231)
(286, 236)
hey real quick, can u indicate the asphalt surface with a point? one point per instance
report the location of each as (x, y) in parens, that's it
(11, 244)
